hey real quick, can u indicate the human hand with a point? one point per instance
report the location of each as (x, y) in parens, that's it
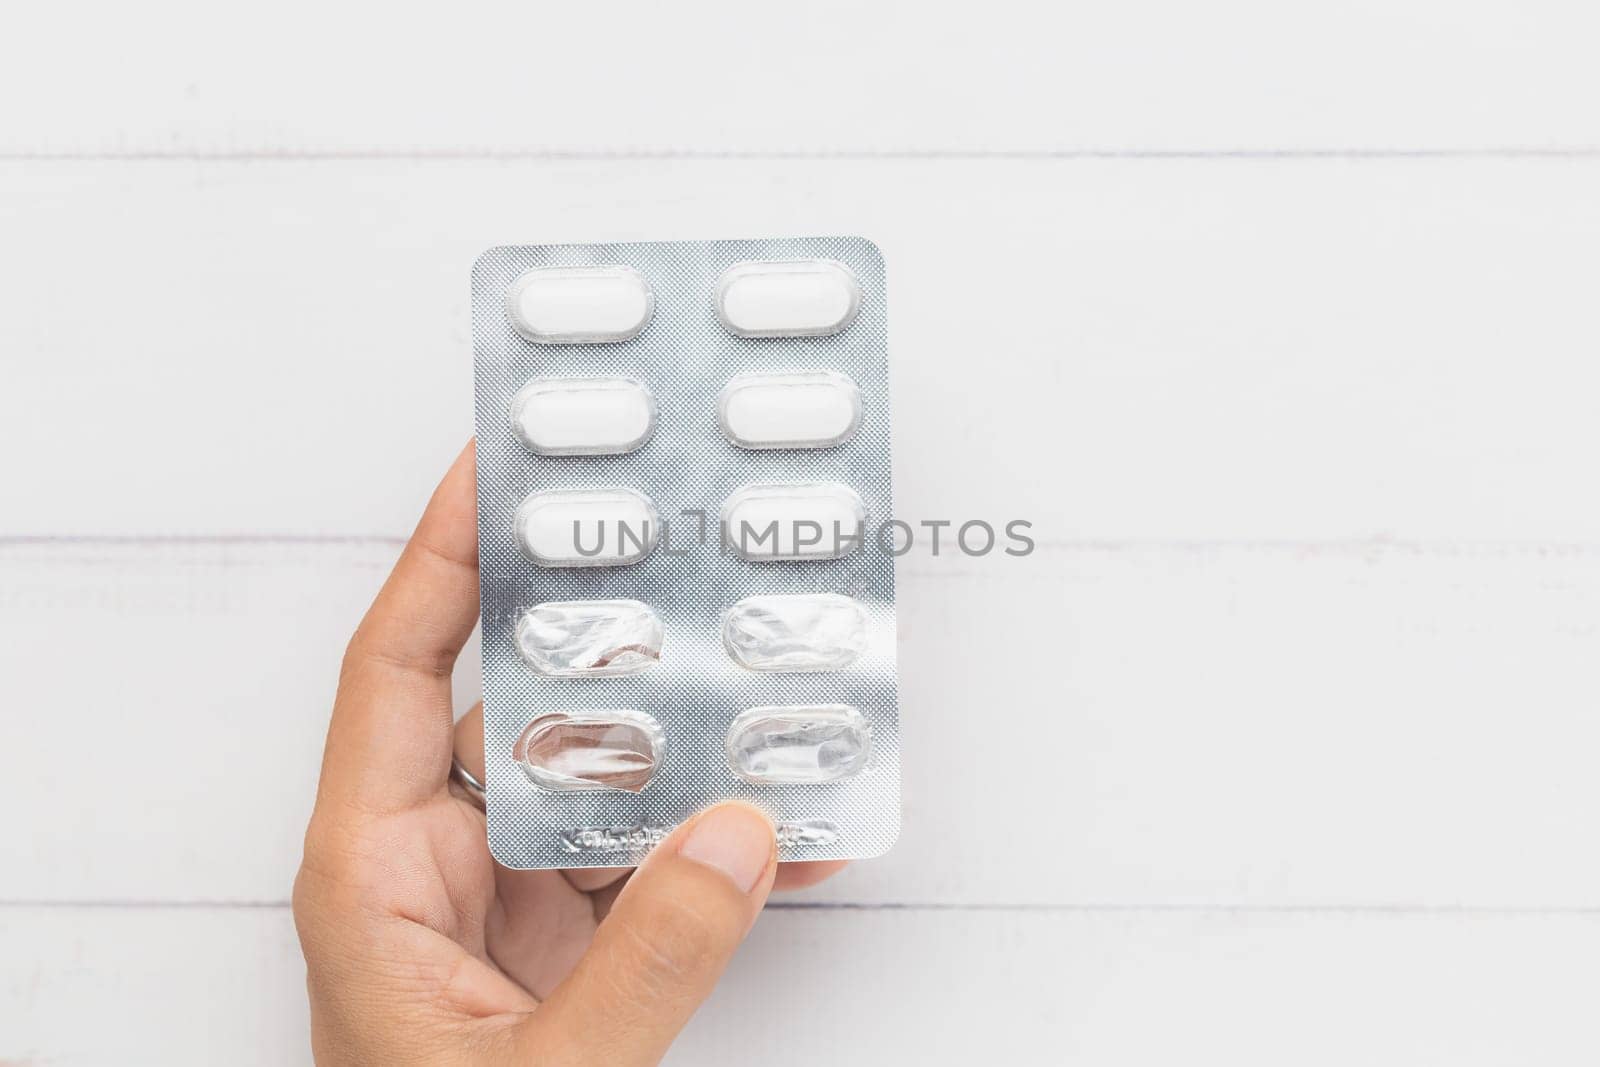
(419, 947)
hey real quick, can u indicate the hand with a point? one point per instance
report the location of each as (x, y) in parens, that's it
(419, 948)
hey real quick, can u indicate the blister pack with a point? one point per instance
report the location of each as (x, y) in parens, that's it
(683, 491)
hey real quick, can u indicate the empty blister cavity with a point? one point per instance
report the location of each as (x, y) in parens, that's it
(583, 416)
(590, 638)
(583, 751)
(798, 744)
(580, 305)
(787, 297)
(797, 632)
(586, 527)
(794, 520)
(806, 409)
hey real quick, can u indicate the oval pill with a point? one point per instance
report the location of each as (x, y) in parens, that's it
(804, 409)
(795, 632)
(586, 527)
(803, 744)
(787, 297)
(794, 520)
(580, 305)
(590, 638)
(583, 416)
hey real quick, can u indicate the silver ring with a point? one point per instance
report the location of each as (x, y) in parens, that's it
(468, 781)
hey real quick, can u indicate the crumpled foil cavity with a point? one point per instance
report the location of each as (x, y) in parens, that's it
(590, 638)
(798, 632)
(567, 751)
(799, 745)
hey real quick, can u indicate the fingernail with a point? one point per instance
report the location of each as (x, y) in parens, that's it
(735, 839)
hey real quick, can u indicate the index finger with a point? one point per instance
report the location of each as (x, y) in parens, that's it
(389, 740)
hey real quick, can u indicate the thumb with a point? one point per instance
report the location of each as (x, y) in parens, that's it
(663, 946)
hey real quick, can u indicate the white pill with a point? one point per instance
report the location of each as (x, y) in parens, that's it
(807, 409)
(583, 416)
(794, 520)
(581, 305)
(787, 297)
(586, 527)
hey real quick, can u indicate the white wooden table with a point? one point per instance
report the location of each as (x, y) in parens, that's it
(1280, 324)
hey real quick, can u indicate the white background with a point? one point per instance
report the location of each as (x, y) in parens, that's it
(1281, 323)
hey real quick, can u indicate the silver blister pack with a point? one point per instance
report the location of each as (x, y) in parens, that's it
(687, 595)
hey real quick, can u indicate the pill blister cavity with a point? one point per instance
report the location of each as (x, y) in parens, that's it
(798, 744)
(580, 305)
(805, 409)
(795, 632)
(583, 416)
(584, 751)
(794, 521)
(787, 298)
(590, 638)
(586, 527)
